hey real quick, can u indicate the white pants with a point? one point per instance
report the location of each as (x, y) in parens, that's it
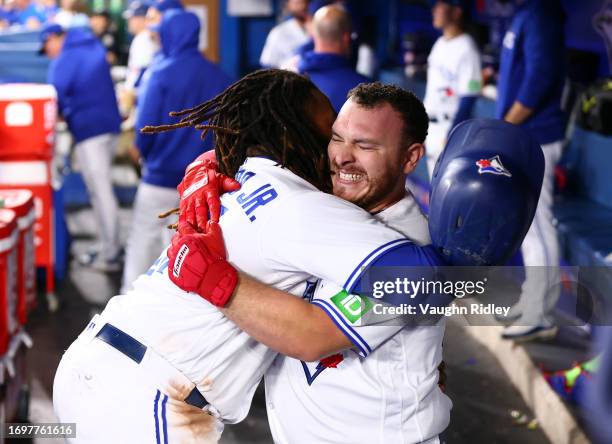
(112, 399)
(540, 250)
(149, 234)
(435, 143)
(95, 156)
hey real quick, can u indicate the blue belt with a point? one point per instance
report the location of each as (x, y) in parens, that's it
(135, 350)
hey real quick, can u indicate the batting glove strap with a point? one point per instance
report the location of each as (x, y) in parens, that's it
(219, 283)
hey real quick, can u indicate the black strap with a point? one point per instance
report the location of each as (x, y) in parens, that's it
(123, 342)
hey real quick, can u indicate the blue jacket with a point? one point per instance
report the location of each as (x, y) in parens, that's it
(532, 68)
(85, 91)
(182, 79)
(332, 74)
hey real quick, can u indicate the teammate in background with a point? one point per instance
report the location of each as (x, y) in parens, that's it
(154, 16)
(157, 9)
(328, 65)
(142, 50)
(104, 28)
(531, 79)
(72, 14)
(286, 37)
(453, 76)
(86, 100)
(181, 80)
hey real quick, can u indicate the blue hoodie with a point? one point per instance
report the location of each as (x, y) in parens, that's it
(182, 79)
(532, 68)
(332, 74)
(85, 91)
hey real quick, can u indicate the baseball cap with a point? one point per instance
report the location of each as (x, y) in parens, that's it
(164, 5)
(46, 32)
(136, 9)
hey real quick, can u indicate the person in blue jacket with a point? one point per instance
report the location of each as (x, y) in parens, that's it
(531, 80)
(86, 100)
(328, 65)
(182, 79)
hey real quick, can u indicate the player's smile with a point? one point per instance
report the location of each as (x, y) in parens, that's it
(349, 177)
(350, 182)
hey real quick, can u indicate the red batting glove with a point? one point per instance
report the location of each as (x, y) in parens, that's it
(200, 192)
(197, 264)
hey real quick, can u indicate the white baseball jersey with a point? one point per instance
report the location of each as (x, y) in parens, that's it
(142, 50)
(453, 72)
(282, 43)
(391, 396)
(282, 230)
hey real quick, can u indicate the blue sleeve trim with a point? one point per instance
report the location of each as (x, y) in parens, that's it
(354, 337)
(358, 271)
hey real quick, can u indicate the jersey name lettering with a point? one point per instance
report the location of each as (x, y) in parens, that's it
(260, 197)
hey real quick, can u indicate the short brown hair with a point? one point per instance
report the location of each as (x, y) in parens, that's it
(371, 95)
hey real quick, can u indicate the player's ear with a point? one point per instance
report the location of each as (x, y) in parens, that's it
(412, 155)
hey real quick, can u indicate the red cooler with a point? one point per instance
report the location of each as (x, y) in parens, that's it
(8, 283)
(27, 121)
(35, 176)
(22, 203)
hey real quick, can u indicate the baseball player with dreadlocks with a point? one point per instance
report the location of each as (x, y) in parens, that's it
(158, 364)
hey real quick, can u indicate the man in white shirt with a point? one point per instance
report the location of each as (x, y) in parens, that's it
(453, 76)
(286, 37)
(142, 48)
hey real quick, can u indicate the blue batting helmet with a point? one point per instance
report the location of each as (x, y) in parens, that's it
(484, 192)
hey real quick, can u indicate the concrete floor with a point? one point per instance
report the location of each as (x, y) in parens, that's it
(482, 395)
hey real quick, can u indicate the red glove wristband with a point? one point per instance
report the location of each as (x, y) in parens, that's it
(219, 283)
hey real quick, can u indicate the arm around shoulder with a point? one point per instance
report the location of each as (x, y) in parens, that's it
(284, 322)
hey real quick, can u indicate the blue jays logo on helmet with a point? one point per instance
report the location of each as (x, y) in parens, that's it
(492, 166)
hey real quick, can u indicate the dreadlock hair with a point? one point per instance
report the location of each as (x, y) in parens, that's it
(262, 114)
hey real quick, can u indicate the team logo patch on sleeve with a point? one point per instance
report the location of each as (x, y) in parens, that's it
(352, 306)
(492, 166)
